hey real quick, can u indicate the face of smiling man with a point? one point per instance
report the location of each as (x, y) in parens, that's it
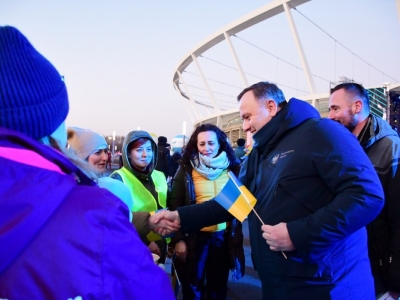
(343, 110)
(254, 113)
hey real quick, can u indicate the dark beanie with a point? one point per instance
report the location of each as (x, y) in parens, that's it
(33, 96)
(162, 140)
(241, 142)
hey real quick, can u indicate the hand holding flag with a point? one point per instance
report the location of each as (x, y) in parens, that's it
(237, 200)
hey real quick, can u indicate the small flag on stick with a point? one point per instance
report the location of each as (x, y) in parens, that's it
(236, 198)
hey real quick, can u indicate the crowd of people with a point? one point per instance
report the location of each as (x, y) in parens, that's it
(327, 190)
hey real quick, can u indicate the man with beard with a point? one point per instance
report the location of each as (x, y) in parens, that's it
(349, 105)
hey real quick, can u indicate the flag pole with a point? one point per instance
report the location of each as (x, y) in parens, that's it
(173, 257)
(283, 253)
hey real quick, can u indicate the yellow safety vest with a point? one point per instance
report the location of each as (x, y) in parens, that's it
(143, 200)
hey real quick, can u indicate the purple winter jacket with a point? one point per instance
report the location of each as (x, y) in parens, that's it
(60, 239)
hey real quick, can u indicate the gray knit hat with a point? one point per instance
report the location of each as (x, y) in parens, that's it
(85, 142)
(33, 96)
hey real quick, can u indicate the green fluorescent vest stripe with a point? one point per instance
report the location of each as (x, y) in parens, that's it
(143, 200)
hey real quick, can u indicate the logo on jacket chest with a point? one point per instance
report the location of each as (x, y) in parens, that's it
(278, 156)
(275, 159)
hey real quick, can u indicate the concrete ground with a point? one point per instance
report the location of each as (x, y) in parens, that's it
(248, 287)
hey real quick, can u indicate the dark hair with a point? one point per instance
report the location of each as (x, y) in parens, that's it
(355, 90)
(265, 90)
(137, 143)
(190, 151)
(241, 142)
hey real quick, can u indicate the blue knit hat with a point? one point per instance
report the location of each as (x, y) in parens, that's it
(33, 96)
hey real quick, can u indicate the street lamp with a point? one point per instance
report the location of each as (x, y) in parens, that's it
(113, 144)
(184, 133)
(109, 142)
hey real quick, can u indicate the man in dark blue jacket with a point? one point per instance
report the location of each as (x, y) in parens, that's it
(315, 188)
(349, 105)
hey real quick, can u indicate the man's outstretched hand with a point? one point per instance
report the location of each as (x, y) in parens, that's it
(164, 222)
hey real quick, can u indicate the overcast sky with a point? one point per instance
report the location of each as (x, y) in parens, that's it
(118, 56)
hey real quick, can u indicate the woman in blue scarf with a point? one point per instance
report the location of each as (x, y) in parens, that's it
(205, 256)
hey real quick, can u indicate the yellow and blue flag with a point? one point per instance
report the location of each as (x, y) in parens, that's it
(236, 198)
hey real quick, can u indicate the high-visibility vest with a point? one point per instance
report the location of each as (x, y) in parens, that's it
(143, 200)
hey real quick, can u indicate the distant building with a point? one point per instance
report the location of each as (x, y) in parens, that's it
(179, 141)
(119, 140)
(394, 109)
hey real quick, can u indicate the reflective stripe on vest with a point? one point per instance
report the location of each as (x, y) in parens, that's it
(143, 200)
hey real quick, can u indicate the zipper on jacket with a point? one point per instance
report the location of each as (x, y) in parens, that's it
(276, 188)
(234, 228)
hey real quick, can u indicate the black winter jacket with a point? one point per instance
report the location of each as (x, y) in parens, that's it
(164, 160)
(383, 149)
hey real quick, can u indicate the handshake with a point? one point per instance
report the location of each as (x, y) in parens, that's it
(165, 222)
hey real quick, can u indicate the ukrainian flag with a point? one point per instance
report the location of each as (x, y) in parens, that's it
(236, 198)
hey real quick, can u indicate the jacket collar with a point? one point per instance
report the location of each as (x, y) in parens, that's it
(378, 129)
(290, 116)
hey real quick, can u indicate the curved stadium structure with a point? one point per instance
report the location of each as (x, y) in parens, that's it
(212, 99)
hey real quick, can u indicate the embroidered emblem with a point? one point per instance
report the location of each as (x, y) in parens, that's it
(275, 159)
